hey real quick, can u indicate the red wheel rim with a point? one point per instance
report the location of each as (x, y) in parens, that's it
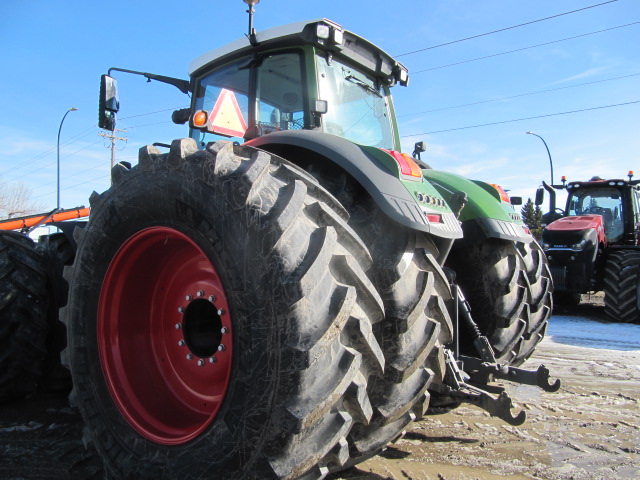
(164, 335)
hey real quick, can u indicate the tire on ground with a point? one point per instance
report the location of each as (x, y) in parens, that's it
(58, 252)
(24, 301)
(417, 324)
(622, 286)
(509, 288)
(219, 319)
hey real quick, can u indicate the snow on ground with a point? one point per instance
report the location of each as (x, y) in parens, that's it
(585, 332)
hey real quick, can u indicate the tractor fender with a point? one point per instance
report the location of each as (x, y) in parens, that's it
(485, 214)
(386, 189)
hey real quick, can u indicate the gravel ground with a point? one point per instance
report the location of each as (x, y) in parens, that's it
(590, 429)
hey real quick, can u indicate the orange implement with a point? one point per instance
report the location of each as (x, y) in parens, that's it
(43, 218)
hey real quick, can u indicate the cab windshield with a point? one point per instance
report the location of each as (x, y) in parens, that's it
(606, 202)
(358, 107)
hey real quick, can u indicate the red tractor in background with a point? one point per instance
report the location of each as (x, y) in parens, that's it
(594, 244)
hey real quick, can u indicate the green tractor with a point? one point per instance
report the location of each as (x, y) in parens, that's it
(280, 295)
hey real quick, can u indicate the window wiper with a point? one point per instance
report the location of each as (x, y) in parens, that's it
(362, 84)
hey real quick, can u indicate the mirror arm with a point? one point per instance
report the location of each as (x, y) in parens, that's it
(552, 196)
(183, 85)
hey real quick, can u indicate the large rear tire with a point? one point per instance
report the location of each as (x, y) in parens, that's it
(509, 288)
(416, 326)
(24, 301)
(220, 320)
(622, 286)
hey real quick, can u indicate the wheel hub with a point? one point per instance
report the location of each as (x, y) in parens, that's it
(202, 328)
(164, 335)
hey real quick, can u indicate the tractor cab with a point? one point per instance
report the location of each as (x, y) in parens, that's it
(305, 76)
(616, 201)
(605, 201)
(600, 216)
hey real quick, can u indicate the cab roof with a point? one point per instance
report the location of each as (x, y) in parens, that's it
(340, 43)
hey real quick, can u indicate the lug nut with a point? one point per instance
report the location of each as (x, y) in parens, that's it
(181, 343)
(200, 362)
(220, 312)
(212, 298)
(189, 356)
(221, 347)
(178, 326)
(224, 330)
(200, 293)
(180, 309)
(188, 298)
(212, 359)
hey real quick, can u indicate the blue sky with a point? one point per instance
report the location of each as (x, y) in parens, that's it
(53, 54)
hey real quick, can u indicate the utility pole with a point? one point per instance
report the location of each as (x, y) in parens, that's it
(112, 136)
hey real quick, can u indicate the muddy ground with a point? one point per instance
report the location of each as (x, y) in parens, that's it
(590, 429)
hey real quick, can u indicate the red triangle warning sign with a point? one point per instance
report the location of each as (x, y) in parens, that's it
(226, 117)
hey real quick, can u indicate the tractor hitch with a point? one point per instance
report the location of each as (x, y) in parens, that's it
(481, 373)
(457, 387)
(470, 379)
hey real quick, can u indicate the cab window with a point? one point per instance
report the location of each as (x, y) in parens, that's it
(280, 95)
(224, 95)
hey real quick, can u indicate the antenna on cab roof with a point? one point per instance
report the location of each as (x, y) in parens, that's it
(252, 31)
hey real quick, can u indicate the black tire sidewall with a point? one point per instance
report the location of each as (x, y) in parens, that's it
(193, 209)
(23, 315)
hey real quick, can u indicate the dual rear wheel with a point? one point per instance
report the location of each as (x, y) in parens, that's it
(220, 319)
(227, 315)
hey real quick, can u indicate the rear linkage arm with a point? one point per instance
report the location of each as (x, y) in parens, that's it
(466, 376)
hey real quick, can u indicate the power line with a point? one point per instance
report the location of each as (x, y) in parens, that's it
(504, 29)
(524, 48)
(82, 134)
(522, 119)
(72, 186)
(149, 124)
(54, 162)
(77, 136)
(152, 113)
(519, 95)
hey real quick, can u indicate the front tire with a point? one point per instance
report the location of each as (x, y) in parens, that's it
(220, 321)
(622, 286)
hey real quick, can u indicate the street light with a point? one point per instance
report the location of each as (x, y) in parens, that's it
(548, 153)
(72, 109)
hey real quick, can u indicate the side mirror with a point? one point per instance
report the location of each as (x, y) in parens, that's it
(539, 196)
(109, 103)
(516, 200)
